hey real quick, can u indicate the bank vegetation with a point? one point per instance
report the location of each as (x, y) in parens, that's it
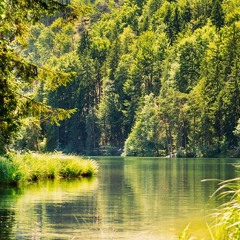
(224, 221)
(18, 169)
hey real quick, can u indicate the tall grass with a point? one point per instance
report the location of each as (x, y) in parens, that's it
(185, 235)
(226, 218)
(30, 167)
(9, 171)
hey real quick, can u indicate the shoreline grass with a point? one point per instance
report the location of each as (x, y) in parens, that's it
(225, 219)
(31, 167)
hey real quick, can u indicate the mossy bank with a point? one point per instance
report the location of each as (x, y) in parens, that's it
(26, 168)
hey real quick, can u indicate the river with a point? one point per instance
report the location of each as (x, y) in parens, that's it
(131, 198)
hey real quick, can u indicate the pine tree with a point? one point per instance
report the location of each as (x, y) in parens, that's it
(217, 15)
(17, 74)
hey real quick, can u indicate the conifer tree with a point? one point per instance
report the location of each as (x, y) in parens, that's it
(17, 74)
(217, 15)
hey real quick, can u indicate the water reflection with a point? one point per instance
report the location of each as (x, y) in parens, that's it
(8, 198)
(7, 220)
(159, 197)
(59, 208)
(130, 199)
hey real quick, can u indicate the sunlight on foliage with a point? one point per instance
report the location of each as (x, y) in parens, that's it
(32, 167)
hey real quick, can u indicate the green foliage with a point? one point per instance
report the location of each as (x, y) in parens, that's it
(29, 135)
(185, 235)
(143, 139)
(188, 55)
(18, 75)
(93, 132)
(217, 15)
(109, 115)
(226, 218)
(22, 169)
(102, 68)
(237, 129)
(10, 173)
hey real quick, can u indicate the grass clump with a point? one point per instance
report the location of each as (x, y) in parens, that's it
(31, 167)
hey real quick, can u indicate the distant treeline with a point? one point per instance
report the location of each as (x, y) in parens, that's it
(147, 78)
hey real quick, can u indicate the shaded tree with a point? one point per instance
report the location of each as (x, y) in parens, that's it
(17, 73)
(217, 15)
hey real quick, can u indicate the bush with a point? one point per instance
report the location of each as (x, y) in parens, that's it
(235, 152)
(210, 151)
(9, 172)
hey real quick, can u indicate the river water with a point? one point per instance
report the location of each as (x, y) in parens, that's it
(131, 198)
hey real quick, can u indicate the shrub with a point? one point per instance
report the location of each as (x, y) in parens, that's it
(9, 172)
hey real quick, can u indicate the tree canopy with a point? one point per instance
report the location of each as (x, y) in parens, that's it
(149, 78)
(19, 75)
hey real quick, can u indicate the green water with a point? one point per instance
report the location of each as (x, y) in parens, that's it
(131, 198)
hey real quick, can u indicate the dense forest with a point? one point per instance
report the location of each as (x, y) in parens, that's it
(131, 77)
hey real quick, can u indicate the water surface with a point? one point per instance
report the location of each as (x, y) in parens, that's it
(131, 198)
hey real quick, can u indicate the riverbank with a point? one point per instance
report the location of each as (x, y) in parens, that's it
(31, 167)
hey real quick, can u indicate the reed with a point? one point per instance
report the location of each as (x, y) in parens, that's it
(185, 235)
(18, 168)
(226, 218)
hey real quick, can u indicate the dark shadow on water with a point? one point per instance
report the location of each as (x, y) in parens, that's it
(8, 196)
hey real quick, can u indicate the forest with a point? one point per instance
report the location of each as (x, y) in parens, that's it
(130, 77)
